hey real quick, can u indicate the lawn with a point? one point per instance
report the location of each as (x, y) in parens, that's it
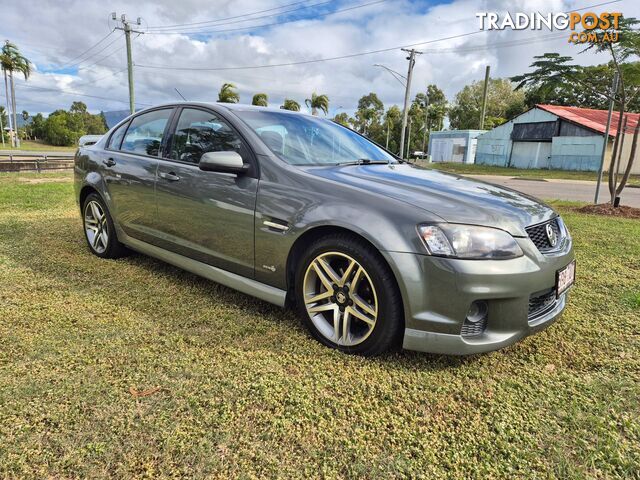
(38, 146)
(473, 169)
(132, 368)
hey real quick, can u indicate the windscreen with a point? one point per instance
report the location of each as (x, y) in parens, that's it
(303, 140)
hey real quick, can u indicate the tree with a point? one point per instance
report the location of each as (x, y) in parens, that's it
(317, 102)
(289, 104)
(260, 99)
(627, 46)
(437, 109)
(503, 103)
(38, 126)
(11, 60)
(552, 71)
(25, 118)
(66, 127)
(228, 94)
(389, 134)
(369, 113)
(60, 129)
(343, 119)
(78, 107)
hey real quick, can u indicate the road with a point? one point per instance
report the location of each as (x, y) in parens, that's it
(556, 189)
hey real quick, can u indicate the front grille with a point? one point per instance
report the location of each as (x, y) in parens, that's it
(538, 235)
(471, 329)
(541, 302)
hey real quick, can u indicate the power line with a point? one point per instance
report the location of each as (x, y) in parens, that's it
(86, 67)
(228, 18)
(318, 60)
(359, 54)
(258, 18)
(95, 53)
(88, 49)
(110, 74)
(23, 85)
(282, 22)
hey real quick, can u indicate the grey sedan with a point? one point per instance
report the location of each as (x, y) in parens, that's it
(373, 252)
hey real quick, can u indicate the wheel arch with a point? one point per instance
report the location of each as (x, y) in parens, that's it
(85, 191)
(313, 234)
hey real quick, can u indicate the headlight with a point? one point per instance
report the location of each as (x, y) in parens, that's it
(468, 241)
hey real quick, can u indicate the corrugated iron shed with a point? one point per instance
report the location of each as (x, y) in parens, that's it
(590, 118)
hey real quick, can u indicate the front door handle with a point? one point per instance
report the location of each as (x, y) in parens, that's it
(109, 162)
(172, 177)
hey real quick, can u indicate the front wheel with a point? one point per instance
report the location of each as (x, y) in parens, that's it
(347, 296)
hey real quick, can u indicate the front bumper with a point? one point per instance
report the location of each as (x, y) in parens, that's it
(438, 292)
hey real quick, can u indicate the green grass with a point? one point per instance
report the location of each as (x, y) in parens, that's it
(472, 169)
(245, 392)
(37, 146)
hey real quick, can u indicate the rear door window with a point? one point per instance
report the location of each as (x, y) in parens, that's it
(117, 136)
(145, 133)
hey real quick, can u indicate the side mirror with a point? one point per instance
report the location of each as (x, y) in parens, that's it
(227, 162)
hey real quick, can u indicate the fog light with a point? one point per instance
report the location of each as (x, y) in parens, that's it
(476, 321)
(477, 312)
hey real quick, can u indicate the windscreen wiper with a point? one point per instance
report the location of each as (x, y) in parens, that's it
(364, 161)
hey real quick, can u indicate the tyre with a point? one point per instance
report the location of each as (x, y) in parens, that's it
(347, 296)
(99, 230)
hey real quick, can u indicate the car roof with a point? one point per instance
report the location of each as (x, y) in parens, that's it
(228, 106)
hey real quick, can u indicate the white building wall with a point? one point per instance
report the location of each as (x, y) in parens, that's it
(495, 146)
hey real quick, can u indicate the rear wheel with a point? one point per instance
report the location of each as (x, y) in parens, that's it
(347, 296)
(99, 230)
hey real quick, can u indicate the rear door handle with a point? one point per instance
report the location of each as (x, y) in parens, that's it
(172, 177)
(109, 162)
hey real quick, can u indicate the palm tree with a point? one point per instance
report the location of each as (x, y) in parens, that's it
(260, 99)
(11, 61)
(228, 94)
(317, 102)
(289, 104)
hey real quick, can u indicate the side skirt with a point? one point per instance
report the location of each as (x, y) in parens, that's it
(237, 282)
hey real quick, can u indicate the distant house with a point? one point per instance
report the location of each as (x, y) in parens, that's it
(551, 136)
(453, 145)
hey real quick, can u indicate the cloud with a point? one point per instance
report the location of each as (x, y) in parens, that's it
(67, 28)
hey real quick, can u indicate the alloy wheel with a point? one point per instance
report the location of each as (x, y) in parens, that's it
(340, 298)
(96, 227)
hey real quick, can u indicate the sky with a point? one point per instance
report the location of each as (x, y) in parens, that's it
(77, 55)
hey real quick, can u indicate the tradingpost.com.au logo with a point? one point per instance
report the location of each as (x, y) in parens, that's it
(587, 22)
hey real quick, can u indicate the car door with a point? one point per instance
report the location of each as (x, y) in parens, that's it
(130, 166)
(208, 216)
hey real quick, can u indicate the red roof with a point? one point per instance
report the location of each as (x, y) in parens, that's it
(593, 119)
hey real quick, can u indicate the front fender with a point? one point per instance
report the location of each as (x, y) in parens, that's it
(388, 224)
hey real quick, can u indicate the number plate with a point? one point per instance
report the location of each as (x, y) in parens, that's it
(565, 278)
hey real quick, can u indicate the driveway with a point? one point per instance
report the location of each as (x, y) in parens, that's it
(555, 189)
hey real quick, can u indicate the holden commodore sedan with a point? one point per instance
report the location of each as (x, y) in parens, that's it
(373, 252)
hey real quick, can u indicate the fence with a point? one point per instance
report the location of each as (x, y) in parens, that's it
(31, 162)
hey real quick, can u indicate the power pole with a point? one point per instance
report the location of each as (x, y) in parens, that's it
(412, 60)
(614, 89)
(126, 27)
(484, 96)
